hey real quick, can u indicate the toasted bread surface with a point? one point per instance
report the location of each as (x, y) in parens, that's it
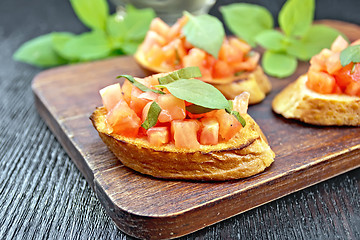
(299, 102)
(242, 156)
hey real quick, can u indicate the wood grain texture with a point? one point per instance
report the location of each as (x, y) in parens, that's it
(151, 208)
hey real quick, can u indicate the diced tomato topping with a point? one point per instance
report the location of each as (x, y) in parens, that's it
(159, 26)
(123, 120)
(333, 63)
(185, 133)
(241, 102)
(249, 64)
(137, 103)
(348, 74)
(339, 44)
(111, 95)
(175, 30)
(153, 38)
(320, 82)
(158, 136)
(326, 75)
(209, 134)
(228, 124)
(222, 69)
(239, 45)
(126, 89)
(172, 108)
(155, 56)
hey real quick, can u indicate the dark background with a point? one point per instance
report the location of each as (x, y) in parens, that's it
(44, 196)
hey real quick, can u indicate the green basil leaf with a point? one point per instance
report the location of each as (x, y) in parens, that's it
(87, 46)
(195, 109)
(183, 73)
(239, 117)
(39, 52)
(278, 64)
(315, 39)
(129, 48)
(247, 20)
(205, 32)
(116, 27)
(152, 116)
(350, 54)
(137, 22)
(197, 92)
(296, 17)
(139, 85)
(93, 13)
(59, 40)
(271, 39)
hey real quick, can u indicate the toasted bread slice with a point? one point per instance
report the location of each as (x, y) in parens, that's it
(246, 154)
(255, 82)
(299, 102)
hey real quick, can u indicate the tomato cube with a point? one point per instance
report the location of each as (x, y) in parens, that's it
(172, 108)
(158, 136)
(229, 126)
(241, 103)
(123, 120)
(320, 82)
(111, 95)
(209, 134)
(185, 133)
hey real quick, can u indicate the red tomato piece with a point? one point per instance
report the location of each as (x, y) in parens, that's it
(123, 120)
(158, 136)
(159, 26)
(249, 63)
(318, 62)
(137, 103)
(320, 82)
(241, 103)
(151, 39)
(222, 69)
(155, 56)
(185, 133)
(111, 95)
(333, 63)
(339, 44)
(348, 74)
(353, 89)
(175, 29)
(172, 108)
(126, 89)
(239, 45)
(229, 126)
(209, 134)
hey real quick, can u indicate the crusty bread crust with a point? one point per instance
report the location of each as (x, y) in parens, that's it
(244, 155)
(299, 102)
(255, 82)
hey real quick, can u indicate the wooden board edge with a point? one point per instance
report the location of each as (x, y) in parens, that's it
(61, 136)
(177, 225)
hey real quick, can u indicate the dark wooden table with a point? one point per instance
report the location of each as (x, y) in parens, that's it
(44, 196)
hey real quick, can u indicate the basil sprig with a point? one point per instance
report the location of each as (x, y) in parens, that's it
(299, 38)
(184, 73)
(152, 116)
(350, 54)
(140, 86)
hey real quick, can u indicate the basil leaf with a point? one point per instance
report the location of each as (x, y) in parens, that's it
(315, 39)
(59, 40)
(93, 13)
(239, 117)
(116, 27)
(197, 92)
(278, 64)
(87, 46)
(139, 85)
(195, 109)
(205, 32)
(247, 20)
(152, 116)
(183, 73)
(39, 52)
(129, 48)
(271, 39)
(137, 22)
(296, 17)
(350, 54)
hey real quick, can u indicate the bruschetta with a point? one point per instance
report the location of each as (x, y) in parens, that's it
(172, 141)
(328, 94)
(236, 69)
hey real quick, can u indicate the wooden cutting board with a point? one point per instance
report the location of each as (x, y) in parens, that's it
(146, 207)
